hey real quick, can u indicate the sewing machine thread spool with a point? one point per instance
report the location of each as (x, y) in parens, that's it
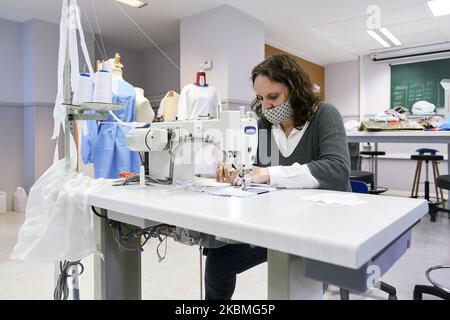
(84, 91)
(102, 87)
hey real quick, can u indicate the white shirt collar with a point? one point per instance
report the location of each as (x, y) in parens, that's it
(287, 144)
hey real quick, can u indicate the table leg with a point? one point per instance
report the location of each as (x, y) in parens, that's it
(117, 274)
(448, 172)
(375, 171)
(286, 279)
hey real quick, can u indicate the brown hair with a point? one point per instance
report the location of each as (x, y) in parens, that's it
(284, 69)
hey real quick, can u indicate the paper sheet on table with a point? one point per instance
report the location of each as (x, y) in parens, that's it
(236, 191)
(335, 198)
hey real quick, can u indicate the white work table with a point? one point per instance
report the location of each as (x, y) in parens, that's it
(402, 136)
(294, 230)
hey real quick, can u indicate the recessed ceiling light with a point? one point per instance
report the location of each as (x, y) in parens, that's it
(390, 36)
(439, 7)
(133, 3)
(380, 40)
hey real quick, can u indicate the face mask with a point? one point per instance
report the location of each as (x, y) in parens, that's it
(279, 114)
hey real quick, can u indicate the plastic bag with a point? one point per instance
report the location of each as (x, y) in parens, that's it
(58, 223)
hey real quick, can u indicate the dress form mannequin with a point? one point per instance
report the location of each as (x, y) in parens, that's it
(104, 145)
(144, 111)
(114, 66)
(117, 67)
(168, 107)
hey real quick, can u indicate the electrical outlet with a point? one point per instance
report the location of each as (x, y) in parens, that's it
(207, 64)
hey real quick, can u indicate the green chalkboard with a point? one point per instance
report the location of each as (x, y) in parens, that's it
(417, 81)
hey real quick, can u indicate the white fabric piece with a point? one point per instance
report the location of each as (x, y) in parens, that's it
(351, 125)
(133, 124)
(73, 47)
(82, 39)
(335, 198)
(58, 223)
(196, 101)
(423, 107)
(296, 175)
(69, 24)
(59, 112)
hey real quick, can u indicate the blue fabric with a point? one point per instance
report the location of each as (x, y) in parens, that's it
(426, 150)
(88, 142)
(104, 145)
(445, 126)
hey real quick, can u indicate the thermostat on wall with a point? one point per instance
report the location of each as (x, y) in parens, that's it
(207, 64)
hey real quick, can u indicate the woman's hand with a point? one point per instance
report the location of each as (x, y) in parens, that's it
(225, 175)
(257, 175)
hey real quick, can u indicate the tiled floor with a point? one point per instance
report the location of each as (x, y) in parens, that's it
(177, 277)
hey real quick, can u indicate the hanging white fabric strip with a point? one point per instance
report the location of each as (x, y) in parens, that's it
(69, 24)
(128, 124)
(82, 125)
(73, 48)
(82, 39)
(59, 112)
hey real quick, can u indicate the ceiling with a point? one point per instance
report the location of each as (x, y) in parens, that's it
(320, 30)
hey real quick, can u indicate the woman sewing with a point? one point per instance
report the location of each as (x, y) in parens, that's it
(301, 144)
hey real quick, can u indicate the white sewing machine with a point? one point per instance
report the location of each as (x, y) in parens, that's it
(172, 145)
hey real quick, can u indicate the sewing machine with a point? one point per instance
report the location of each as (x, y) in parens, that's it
(172, 145)
(171, 149)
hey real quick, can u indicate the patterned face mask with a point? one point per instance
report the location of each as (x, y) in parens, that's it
(279, 114)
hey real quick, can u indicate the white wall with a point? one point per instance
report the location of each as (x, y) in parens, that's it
(11, 152)
(131, 60)
(234, 48)
(376, 87)
(11, 50)
(341, 87)
(396, 170)
(158, 74)
(199, 43)
(11, 113)
(246, 40)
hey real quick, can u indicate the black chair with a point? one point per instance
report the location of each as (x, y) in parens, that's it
(373, 154)
(442, 182)
(427, 155)
(356, 173)
(436, 289)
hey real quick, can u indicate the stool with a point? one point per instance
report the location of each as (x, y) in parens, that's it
(436, 289)
(442, 182)
(374, 189)
(426, 155)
